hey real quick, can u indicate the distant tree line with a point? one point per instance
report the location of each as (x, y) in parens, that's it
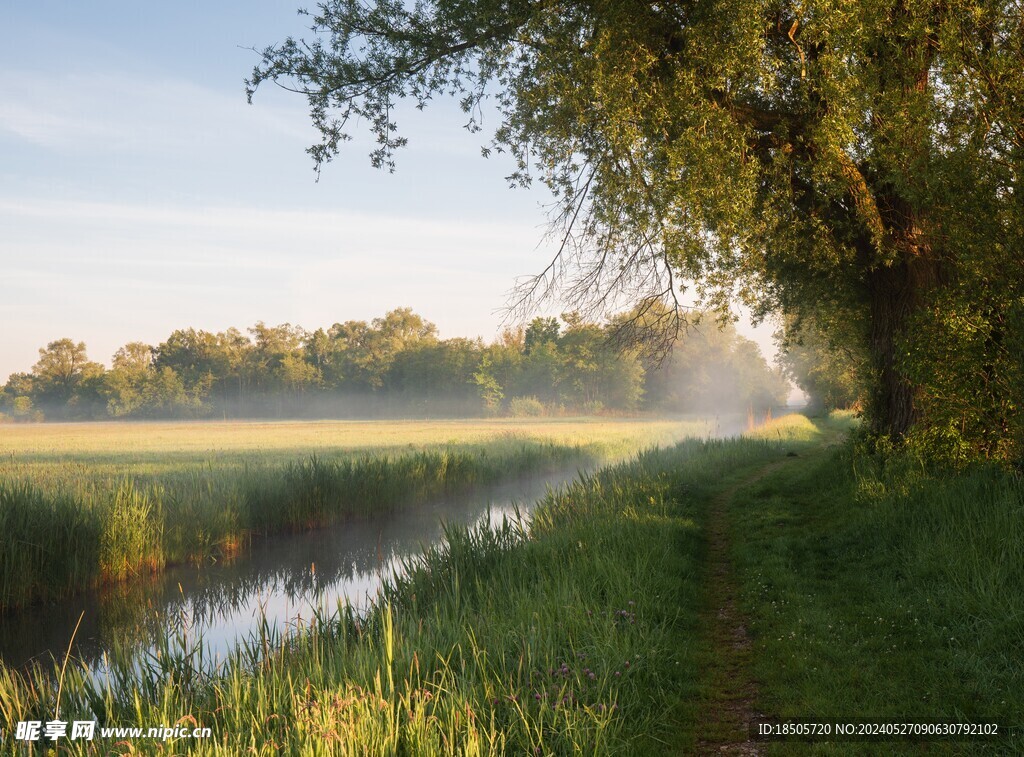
(393, 366)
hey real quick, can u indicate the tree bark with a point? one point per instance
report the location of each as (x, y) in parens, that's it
(897, 295)
(893, 411)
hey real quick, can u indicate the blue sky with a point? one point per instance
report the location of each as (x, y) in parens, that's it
(139, 193)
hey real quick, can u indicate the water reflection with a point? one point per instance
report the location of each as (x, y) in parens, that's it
(281, 578)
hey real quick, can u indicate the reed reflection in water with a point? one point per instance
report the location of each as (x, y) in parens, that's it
(279, 581)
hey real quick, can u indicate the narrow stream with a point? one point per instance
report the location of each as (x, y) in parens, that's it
(282, 579)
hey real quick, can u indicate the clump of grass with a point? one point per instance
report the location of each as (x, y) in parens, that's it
(131, 538)
(49, 542)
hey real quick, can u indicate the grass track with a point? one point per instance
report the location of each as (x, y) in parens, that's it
(728, 692)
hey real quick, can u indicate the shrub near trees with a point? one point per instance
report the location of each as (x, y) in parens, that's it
(394, 365)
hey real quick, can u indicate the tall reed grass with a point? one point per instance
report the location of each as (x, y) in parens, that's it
(75, 534)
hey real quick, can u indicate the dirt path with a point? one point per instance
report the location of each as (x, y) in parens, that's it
(727, 710)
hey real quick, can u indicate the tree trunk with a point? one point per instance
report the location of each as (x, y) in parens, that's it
(893, 411)
(897, 293)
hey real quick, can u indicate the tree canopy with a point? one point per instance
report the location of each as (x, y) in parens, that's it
(856, 162)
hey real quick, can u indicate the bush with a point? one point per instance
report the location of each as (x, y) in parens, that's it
(525, 407)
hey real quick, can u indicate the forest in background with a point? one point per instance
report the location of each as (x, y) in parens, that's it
(395, 365)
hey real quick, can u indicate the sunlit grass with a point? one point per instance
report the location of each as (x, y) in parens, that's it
(108, 447)
(799, 428)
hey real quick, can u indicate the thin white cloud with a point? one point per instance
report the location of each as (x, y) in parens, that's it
(123, 112)
(45, 126)
(267, 227)
(120, 112)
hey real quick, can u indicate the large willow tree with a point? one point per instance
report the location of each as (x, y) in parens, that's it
(858, 162)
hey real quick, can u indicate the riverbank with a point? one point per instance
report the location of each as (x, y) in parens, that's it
(58, 542)
(581, 635)
(275, 581)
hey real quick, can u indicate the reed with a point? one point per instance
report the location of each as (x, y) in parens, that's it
(60, 540)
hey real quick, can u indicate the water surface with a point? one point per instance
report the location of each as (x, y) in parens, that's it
(284, 579)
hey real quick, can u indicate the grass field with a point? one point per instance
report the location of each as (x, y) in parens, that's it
(154, 446)
(87, 503)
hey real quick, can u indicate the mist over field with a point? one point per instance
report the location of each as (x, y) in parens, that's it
(397, 367)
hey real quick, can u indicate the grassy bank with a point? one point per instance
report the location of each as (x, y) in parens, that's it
(83, 504)
(579, 636)
(885, 591)
(56, 542)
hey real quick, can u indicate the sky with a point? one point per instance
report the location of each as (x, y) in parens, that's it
(140, 193)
